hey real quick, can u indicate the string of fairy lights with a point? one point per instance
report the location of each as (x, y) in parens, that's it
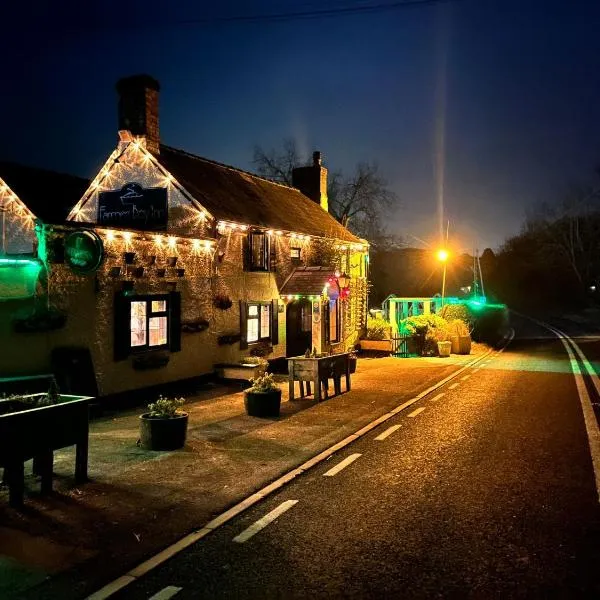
(135, 152)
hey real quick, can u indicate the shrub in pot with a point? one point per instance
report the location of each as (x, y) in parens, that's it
(263, 398)
(460, 337)
(164, 426)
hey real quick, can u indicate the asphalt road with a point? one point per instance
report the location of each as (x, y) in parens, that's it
(484, 489)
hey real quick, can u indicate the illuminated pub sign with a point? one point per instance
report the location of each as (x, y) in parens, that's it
(84, 251)
(133, 206)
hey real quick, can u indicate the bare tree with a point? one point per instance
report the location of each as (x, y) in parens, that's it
(359, 201)
(277, 164)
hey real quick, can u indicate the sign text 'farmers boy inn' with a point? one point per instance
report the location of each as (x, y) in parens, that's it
(133, 206)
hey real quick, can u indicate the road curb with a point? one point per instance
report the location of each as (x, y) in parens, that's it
(151, 563)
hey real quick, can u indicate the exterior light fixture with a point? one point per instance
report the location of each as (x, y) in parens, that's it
(442, 255)
(343, 281)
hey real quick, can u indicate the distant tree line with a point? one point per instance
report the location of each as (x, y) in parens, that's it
(555, 261)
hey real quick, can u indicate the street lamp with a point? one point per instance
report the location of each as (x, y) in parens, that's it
(442, 256)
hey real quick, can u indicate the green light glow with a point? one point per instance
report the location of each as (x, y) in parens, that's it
(18, 262)
(18, 277)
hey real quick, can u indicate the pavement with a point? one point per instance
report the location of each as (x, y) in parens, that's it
(70, 543)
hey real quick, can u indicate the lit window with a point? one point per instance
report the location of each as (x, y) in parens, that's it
(149, 323)
(259, 322)
(138, 324)
(295, 253)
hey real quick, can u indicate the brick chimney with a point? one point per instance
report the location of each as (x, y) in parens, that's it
(312, 181)
(138, 108)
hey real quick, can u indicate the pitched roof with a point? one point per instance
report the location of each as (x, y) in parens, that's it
(307, 281)
(234, 195)
(49, 195)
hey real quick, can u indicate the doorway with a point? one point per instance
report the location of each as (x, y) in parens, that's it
(298, 327)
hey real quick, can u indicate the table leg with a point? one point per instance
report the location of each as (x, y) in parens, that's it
(308, 391)
(291, 388)
(81, 460)
(337, 384)
(45, 464)
(15, 474)
(317, 389)
(348, 378)
(301, 386)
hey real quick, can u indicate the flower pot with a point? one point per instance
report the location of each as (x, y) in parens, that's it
(461, 344)
(263, 404)
(352, 364)
(163, 434)
(444, 348)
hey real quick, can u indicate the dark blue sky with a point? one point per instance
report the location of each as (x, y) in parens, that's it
(522, 94)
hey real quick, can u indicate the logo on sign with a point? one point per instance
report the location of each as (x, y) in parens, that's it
(133, 206)
(84, 251)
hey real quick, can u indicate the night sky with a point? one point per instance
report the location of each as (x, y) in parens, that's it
(513, 86)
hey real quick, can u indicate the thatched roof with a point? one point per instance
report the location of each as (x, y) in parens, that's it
(234, 195)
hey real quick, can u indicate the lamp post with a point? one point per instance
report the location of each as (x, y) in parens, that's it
(442, 256)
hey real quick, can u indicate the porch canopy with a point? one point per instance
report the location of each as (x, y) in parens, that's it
(310, 281)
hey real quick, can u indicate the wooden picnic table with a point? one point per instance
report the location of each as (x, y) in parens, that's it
(318, 370)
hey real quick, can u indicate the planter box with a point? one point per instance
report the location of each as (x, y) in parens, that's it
(239, 371)
(461, 344)
(163, 434)
(27, 432)
(263, 404)
(444, 348)
(379, 345)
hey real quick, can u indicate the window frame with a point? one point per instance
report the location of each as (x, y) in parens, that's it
(338, 320)
(148, 299)
(260, 304)
(299, 250)
(266, 247)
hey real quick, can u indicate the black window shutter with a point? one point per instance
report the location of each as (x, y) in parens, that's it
(122, 327)
(243, 325)
(272, 253)
(246, 259)
(174, 321)
(274, 322)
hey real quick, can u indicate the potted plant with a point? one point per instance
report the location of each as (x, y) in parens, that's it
(263, 399)
(460, 337)
(441, 335)
(164, 426)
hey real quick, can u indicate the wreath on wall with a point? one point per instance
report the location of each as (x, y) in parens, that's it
(222, 302)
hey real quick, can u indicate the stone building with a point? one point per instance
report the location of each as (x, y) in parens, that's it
(169, 263)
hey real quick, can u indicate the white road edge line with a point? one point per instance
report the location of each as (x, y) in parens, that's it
(414, 413)
(264, 521)
(454, 385)
(589, 418)
(166, 593)
(387, 433)
(437, 397)
(151, 563)
(342, 465)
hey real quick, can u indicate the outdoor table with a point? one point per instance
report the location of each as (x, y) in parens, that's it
(318, 370)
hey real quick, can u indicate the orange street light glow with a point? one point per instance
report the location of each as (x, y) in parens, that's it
(442, 255)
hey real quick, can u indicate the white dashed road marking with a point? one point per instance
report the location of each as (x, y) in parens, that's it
(387, 433)
(465, 378)
(264, 521)
(451, 387)
(438, 397)
(166, 593)
(347, 461)
(414, 413)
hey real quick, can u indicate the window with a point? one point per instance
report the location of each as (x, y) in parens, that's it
(258, 251)
(258, 322)
(295, 253)
(148, 327)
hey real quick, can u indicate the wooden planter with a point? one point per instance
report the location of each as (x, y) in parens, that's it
(27, 432)
(263, 404)
(444, 348)
(163, 434)
(378, 345)
(239, 371)
(461, 344)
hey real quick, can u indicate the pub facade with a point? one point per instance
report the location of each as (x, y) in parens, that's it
(169, 264)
